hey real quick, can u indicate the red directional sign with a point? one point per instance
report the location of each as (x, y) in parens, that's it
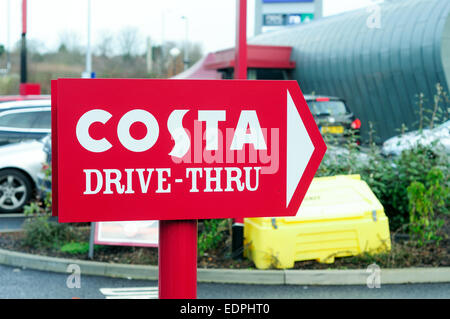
(181, 149)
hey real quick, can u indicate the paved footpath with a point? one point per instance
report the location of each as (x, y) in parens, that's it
(25, 283)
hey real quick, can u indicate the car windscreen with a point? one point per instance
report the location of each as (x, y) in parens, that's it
(43, 120)
(326, 108)
(25, 120)
(17, 120)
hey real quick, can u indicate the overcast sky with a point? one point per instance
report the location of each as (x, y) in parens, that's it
(210, 22)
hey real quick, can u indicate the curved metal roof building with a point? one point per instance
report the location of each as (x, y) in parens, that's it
(377, 69)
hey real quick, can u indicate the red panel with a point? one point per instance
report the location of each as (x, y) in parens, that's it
(268, 99)
(30, 89)
(24, 16)
(54, 110)
(258, 56)
(240, 68)
(177, 259)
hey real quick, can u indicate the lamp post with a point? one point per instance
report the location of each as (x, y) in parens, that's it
(8, 37)
(23, 51)
(174, 53)
(88, 71)
(240, 73)
(163, 61)
(186, 43)
(7, 47)
(25, 88)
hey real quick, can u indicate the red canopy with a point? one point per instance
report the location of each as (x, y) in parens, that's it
(258, 56)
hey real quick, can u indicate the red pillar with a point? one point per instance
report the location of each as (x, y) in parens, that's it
(240, 73)
(240, 54)
(24, 16)
(177, 259)
(23, 50)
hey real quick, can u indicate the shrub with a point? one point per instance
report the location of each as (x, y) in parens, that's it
(9, 84)
(40, 231)
(211, 233)
(388, 178)
(412, 166)
(424, 202)
(75, 248)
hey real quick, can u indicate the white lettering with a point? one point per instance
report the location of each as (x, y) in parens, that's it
(144, 183)
(88, 173)
(82, 131)
(178, 133)
(248, 119)
(123, 130)
(162, 179)
(248, 177)
(236, 179)
(194, 172)
(116, 181)
(129, 172)
(210, 179)
(212, 119)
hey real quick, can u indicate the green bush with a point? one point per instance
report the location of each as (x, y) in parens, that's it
(211, 233)
(40, 232)
(9, 84)
(388, 178)
(425, 200)
(75, 248)
(412, 166)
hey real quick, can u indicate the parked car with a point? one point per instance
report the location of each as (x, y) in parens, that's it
(15, 98)
(27, 119)
(19, 165)
(333, 116)
(439, 135)
(44, 182)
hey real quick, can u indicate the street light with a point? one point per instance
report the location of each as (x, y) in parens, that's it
(8, 35)
(186, 43)
(88, 72)
(174, 52)
(23, 50)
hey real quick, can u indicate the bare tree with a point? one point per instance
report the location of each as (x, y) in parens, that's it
(195, 53)
(129, 42)
(69, 41)
(105, 45)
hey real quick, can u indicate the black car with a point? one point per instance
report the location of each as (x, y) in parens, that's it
(23, 120)
(333, 117)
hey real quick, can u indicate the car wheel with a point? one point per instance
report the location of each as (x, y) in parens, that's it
(15, 190)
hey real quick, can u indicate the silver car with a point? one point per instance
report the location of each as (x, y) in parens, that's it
(22, 120)
(439, 135)
(19, 165)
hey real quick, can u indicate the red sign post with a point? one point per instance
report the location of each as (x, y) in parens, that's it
(240, 54)
(240, 73)
(178, 151)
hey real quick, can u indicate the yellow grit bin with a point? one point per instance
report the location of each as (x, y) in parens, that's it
(340, 216)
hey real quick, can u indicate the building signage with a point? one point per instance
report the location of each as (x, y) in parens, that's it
(181, 149)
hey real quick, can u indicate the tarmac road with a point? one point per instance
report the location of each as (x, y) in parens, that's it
(20, 283)
(11, 222)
